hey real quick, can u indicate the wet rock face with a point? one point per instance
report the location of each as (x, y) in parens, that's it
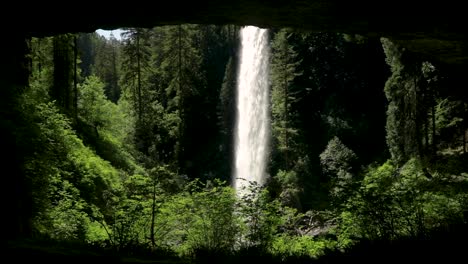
(433, 29)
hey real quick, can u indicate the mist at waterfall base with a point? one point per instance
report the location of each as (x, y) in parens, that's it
(252, 125)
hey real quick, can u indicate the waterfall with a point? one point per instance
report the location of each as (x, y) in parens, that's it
(252, 127)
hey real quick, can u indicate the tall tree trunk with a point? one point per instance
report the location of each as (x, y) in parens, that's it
(285, 117)
(433, 127)
(465, 129)
(75, 77)
(418, 110)
(425, 116)
(56, 92)
(181, 100)
(153, 216)
(180, 70)
(426, 132)
(464, 140)
(62, 72)
(139, 75)
(115, 84)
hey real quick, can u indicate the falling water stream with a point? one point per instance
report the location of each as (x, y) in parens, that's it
(252, 128)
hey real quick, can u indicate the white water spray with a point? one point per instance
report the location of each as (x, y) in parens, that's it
(252, 128)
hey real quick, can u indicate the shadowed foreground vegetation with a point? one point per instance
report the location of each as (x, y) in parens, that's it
(447, 246)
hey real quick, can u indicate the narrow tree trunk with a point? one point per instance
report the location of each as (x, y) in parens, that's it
(181, 99)
(426, 102)
(139, 75)
(75, 77)
(464, 141)
(57, 83)
(61, 89)
(153, 212)
(418, 109)
(67, 74)
(286, 136)
(180, 69)
(433, 130)
(426, 132)
(229, 32)
(116, 90)
(465, 129)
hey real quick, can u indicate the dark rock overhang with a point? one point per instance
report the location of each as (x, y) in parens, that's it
(433, 29)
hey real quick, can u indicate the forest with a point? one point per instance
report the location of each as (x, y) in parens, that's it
(127, 149)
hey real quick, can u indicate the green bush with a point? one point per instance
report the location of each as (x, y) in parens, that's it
(393, 203)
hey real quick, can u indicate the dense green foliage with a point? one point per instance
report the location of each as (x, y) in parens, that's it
(128, 144)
